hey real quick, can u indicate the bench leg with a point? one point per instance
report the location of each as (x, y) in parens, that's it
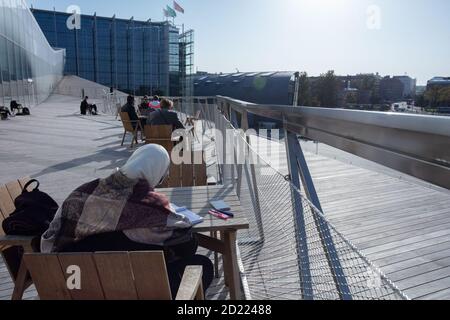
(231, 265)
(123, 139)
(216, 257)
(20, 284)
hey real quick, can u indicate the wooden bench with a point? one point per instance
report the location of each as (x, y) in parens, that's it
(187, 175)
(109, 276)
(10, 245)
(132, 127)
(161, 135)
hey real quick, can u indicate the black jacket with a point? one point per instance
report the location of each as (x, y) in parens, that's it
(129, 108)
(164, 117)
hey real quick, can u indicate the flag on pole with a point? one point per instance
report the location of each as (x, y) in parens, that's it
(177, 7)
(171, 12)
(166, 13)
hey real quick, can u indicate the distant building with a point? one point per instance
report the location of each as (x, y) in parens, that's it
(420, 90)
(256, 87)
(439, 82)
(276, 88)
(138, 57)
(30, 68)
(409, 86)
(391, 89)
(397, 88)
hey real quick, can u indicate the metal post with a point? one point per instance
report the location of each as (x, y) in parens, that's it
(299, 167)
(95, 45)
(299, 221)
(255, 190)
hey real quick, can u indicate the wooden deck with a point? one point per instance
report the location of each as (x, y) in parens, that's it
(64, 150)
(398, 222)
(401, 224)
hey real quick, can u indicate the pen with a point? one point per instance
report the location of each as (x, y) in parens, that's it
(231, 215)
(218, 214)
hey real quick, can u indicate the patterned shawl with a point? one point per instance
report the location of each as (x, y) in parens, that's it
(116, 203)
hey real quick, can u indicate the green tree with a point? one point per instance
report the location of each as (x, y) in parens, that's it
(304, 94)
(432, 96)
(328, 88)
(420, 101)
(444, 97)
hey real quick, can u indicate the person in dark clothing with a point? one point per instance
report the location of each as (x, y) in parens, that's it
(4, 113)
(14, 106)
(185, 253)
(123, 212)
(131, 110)
(92, 109)
(165, 116)
(87, 107)
(84, 106)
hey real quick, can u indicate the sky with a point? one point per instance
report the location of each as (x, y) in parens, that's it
(392, 37)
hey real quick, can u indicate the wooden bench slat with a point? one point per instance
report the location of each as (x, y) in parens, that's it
(149, 269)
(116, 276)
(2, 217)
(201, 178)
(6, 203)
(47, 276)
(161, 135)
(191, 284)
(23, 181)
(14, 189)
(91, 288)
(174, 179)
(188, 175)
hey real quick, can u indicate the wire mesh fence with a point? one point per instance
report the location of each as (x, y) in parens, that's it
(291, 251)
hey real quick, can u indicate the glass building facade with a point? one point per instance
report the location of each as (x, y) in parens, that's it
(187, 72)
(30, 67)
(137, 57)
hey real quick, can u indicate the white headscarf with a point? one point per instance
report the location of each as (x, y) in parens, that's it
(150, 162)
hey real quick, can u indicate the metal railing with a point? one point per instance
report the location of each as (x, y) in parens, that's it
(291, 250)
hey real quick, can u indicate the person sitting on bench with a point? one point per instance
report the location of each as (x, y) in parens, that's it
(87, 107)
(4, 113)
(14, 106)
(131, 110)
(165, 116)
(124, 213)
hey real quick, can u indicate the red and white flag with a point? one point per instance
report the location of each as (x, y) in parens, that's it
(177, 7)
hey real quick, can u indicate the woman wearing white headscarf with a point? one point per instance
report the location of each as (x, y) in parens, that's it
(124, 213)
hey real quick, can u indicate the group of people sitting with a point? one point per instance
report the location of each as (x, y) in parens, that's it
(147, 105)
(16, 109)
(159, 113)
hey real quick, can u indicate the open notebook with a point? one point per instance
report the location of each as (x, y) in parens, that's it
(193, 218)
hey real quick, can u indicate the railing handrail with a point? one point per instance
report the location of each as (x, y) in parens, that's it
(417, 145)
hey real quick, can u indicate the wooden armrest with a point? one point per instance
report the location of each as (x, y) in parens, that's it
(131, 121)
(20, 241)
(191, 286)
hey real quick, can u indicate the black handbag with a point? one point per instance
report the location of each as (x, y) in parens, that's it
(34, 212)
